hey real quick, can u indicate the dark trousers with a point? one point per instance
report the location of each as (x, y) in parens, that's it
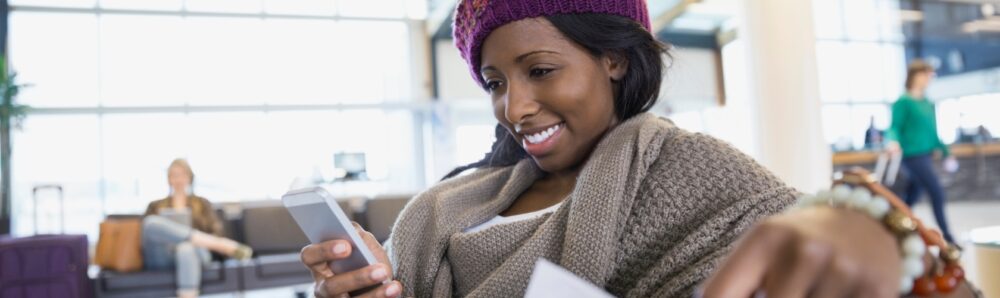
(922, 177)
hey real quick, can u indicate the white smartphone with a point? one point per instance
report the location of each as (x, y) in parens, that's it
(321, 219)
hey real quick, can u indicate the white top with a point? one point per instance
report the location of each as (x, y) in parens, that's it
(499, 220)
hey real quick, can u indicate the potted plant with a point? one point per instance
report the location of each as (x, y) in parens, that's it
(11, 116)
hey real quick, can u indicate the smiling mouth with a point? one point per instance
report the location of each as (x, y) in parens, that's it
(544, 135)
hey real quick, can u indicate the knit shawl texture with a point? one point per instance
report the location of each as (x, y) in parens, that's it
(654, 210)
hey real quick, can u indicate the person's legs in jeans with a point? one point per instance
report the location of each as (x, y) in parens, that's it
(921, 169)
(188, 269)
(155, 255)
(159, 229)
(186, 250)
(913, 191)
(162, 230)
(159, 236)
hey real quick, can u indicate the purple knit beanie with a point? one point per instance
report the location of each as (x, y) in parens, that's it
(475, 19)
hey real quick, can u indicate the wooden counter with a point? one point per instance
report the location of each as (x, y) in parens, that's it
(958, 150)
(977, 178)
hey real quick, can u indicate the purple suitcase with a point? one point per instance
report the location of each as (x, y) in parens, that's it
(44, 266)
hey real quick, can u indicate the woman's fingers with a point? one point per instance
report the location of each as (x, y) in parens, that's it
(320, 292)
(743, 272)
(389, 290)
(355, 280)
(819, 252)
(373, 245)
(798, 267)
(318, 256)
(842, 278)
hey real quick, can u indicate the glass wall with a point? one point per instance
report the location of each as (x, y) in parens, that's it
(861, 63)
(257, 95)
(965, 115)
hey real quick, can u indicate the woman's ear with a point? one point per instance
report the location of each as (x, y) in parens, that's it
(616, 65)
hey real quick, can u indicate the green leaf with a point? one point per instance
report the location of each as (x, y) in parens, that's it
(9, 89)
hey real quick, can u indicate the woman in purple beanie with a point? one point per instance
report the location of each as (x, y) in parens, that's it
(582, 176)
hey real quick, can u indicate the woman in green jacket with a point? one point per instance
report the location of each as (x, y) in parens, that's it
(914, 134)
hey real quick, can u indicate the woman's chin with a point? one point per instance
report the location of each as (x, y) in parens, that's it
(549, 164)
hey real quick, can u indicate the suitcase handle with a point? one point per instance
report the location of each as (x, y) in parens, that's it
(47, 186)
(62, 205)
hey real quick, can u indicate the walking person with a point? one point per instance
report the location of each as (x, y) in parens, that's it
(913, 134)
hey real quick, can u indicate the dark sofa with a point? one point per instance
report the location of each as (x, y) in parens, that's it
(220, 277)
(263, 225)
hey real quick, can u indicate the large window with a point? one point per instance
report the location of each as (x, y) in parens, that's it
(257, 95)
(77, 60)
(966, 114)
(860, 57)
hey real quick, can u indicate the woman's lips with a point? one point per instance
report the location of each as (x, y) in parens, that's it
(541, 143)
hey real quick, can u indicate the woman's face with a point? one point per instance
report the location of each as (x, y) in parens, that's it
(923, 79)
(178, 178)
(553, 96)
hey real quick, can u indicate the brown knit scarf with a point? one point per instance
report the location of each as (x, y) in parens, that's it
(653, 210)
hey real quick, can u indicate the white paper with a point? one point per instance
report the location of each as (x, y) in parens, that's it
(550, 280)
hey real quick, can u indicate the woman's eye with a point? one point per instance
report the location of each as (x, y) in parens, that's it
(492, 85)
(537, 72)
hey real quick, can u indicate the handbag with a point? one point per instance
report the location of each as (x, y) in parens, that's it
(119, 245)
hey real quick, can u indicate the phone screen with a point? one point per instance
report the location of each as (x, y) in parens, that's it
(320, 222)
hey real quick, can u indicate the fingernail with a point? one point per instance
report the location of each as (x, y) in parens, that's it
(392, 291)
(340, 248)
(378, 274)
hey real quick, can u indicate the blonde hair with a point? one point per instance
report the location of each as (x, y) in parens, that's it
(196, 205)
(184, 165)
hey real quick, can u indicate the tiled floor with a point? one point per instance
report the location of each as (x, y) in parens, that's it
(963, 217)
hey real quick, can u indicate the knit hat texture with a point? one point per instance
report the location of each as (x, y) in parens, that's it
(476, 19)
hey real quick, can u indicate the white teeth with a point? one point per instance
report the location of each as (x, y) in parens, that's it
(542, 136)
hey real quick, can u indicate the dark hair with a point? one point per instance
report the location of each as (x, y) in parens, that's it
(916, 67)
(600, 34)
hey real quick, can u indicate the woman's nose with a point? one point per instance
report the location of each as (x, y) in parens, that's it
(520, 103)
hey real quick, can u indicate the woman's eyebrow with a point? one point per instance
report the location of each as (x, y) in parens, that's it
(519, 59)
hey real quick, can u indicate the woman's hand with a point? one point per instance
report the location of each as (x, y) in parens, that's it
(950, 164)
(893, 148)
(815, 252)
(318, 256)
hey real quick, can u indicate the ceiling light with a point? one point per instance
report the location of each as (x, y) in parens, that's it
(981, 25)
(988, 9)
(911, 15)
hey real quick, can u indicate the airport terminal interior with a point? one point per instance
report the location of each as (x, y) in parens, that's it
(371, 100)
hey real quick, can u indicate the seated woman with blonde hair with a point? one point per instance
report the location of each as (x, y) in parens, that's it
(179, 231)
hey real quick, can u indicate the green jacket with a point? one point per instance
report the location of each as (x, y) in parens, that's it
(914, 126)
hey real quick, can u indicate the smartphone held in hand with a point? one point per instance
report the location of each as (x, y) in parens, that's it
(321, 219)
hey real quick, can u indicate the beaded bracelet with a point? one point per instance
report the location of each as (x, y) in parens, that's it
(921, 274)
